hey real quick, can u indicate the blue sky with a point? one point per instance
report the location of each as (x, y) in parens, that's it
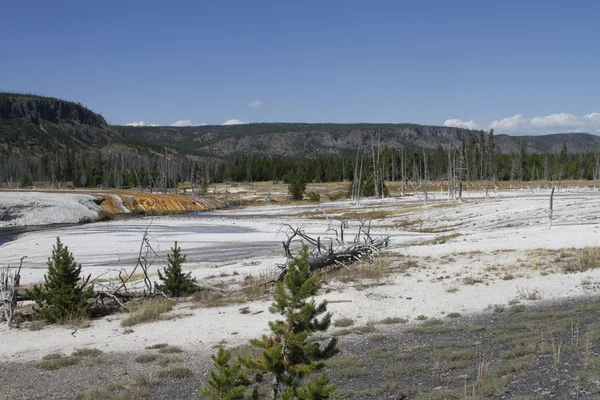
(516, 66)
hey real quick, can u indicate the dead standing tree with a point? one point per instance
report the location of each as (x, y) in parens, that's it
(551, 210)
(9, 289)
(325, 255)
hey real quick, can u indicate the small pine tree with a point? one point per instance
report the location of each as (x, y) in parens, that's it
(296, 188)
(62, 296)
(317, 389)
(175, 282)
(25, 180)
(227, 381)
(287, 355)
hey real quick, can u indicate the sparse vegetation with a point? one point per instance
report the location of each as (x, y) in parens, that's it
(157, 346)
(393, 320)
(343, 322)
(176, 373)
(53, 362)
(170, 350)
(147, 311)
(146, 358)
(87, 353)
(439, 239)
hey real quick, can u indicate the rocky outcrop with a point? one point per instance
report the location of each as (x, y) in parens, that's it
(34, 125)
(38, 109)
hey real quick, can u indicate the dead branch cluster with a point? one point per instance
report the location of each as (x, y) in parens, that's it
(333, 251)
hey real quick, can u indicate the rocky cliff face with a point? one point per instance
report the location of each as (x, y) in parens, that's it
(38, 109)
(33, 124)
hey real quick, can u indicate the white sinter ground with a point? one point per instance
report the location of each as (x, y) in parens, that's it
(485, 256)
(23, 208)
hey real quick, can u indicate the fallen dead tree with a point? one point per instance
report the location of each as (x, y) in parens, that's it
(334, 251)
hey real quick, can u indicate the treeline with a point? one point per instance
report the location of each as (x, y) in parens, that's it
(94, 169)
(475, 159)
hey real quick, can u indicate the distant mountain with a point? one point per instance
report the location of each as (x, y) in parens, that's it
(32, 124)
(307, 140)
(576, 143)
(35, 125)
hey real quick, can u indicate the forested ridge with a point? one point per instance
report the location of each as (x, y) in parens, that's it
(47, 139)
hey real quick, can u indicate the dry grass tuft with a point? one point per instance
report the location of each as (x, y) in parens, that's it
(157, 346)
(358, 271)
(170, 350)
(147, 311)
(343, 322)
(53, 362)
(393, 320)
(439, 239)
(145, 358)
(86, 353)
(254, 288)
(583, 260)
(134, 390)
(528, 294)
(176, 373)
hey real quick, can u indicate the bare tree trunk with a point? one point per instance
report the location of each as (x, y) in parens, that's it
(9, 290)
(374, 168)
(380, 174)
(551, 208)
(403, 170)
(595, 172)
(393, 166)
(450, 178)
(425, 177)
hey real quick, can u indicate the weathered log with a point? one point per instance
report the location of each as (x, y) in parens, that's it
(347, 255)
(341, 256)
(26, 296)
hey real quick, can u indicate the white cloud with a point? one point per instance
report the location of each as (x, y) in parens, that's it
(255, 104)
(138, 123)
(514, 124)
(457, 123)
(183, 122)
(187, 122)
(233, 122)
(556, 120)
(539, 125)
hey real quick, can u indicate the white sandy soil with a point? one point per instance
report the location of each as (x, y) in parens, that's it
(491, 238)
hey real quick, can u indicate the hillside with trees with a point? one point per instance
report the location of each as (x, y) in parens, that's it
(52, 140)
